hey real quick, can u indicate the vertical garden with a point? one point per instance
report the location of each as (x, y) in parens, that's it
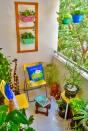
(73, 30)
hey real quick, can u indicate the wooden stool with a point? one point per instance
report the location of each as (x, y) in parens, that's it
(42, 112)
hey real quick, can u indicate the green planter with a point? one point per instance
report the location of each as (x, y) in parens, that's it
(66, 21)
(28, 41)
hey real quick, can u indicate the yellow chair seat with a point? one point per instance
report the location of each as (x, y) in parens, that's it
(21, 99)
(36, 84)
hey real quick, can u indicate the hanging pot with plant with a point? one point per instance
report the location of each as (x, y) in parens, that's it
(27, 16)
(77, 16)
(27, 38)
(66, 19)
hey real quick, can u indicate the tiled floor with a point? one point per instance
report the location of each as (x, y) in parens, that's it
(52, 122)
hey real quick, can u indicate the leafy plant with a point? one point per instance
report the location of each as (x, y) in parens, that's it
(5, 68)
(51, 74)
(77, 12)
(78, 104)
(27, 35)
(74, 77)
(83, 117)
(15, 120)
(27, 13)
(5, 72)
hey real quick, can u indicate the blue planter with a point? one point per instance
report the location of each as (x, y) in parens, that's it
(77, 18)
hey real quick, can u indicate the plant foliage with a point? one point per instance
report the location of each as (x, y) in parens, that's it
(73, 38)
(27, 13)
(15, 120)
(27, 35)
(51, 74)
(5, 68)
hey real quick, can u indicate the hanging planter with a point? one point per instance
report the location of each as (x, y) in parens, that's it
(27, 16)
(77, 17)
(27, 38)
(66, 19)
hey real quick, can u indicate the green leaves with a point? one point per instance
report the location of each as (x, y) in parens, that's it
(5, 68)
(15, 120)
(27, 35)
(71, 37)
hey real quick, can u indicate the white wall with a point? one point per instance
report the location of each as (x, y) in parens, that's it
(48, 31)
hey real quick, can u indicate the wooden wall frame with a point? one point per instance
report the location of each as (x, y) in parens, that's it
(26, 26)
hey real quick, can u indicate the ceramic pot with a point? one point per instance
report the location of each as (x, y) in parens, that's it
(70, 90)
(66, 21)
(28, 41)
(27, 18)
(77, 18)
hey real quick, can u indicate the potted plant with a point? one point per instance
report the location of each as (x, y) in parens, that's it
(52, 79)
(66, 19)
(5, 72)
(27, 38)
(62, 109)
(27, 16)
(72, 82)
(83, 119)
(77, 16)
(15, 120)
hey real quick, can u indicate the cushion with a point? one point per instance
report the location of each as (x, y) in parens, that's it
(8, 92)
(35, 72)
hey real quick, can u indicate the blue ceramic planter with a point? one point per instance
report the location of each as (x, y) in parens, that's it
(77, 18)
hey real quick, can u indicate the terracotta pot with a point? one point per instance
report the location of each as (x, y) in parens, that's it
(55, 90)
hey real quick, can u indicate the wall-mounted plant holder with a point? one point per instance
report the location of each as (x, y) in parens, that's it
(26, 26)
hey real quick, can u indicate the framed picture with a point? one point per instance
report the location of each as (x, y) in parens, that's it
(26, 26)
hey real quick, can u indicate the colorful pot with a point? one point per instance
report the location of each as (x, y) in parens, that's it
(27, 18)
(66, 21)
(77, 18)
(28, 41)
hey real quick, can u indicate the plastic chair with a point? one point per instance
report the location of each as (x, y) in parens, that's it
(32, 85)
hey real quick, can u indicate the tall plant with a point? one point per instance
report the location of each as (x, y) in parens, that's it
(5, 72)
(73, 38)
(5, 68)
